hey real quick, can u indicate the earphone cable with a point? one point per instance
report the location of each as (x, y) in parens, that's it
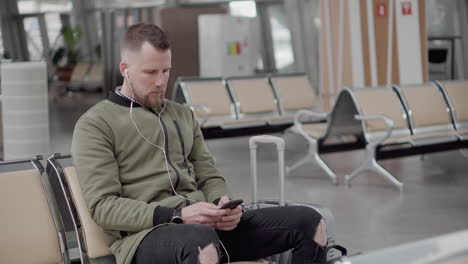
(159, 147)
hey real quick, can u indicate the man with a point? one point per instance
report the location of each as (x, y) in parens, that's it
(150, 182)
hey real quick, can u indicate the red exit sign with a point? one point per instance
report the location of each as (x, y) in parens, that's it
(381, 10)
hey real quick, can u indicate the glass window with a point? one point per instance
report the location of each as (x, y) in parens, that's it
(38, 6)
(243, 8)
(53, 26)
(127, 3)
(2, 55)
(281, 35)
(33, 36)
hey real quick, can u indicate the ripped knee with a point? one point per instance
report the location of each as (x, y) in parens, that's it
(321, 233)
(208, 255)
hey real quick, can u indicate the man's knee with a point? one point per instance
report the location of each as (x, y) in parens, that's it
(179, 244)
(208, 255)
(321, 233)
(205, 240)
(200, 243)
(305, 219)
(200, 235)
(311, 223)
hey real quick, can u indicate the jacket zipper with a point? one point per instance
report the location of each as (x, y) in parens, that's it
(182, 144)
(166, 149)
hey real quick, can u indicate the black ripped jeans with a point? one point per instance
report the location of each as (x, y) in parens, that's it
(260, 233)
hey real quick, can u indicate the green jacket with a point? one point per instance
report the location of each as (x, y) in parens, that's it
(124, 177)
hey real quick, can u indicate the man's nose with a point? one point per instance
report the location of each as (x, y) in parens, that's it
(159, 79)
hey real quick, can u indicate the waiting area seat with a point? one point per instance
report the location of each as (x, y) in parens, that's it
(428, 124)
(384, 123)
(410, 120)
(389, 122)
(86, 77)
(293, 92)
(312, 133)
(456, 93)
(92, 243)
(254, 99)
(340, 132)
(236, 105)
(78, 75)
(30, 231)
(209, 99)
(95, 78)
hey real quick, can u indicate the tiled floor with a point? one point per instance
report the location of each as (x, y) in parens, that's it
(369, 215)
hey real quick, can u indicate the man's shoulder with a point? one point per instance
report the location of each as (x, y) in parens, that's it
(101, 111)
(178, 107)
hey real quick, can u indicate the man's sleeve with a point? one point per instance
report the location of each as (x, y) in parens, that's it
(98, 174)
(208, 177)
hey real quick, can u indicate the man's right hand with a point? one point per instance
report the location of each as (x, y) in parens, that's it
(203, 213)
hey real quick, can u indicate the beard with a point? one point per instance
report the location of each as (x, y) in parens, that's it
(150, 100)
(153, 100)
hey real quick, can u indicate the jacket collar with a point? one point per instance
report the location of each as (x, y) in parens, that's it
(125, 101)
(121, 100)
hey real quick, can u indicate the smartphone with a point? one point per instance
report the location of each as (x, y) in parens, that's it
(232, 204)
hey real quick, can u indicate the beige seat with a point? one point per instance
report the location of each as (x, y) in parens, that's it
(93, 243)
(316, 130)
(79, 74)
(457, 93)
(339, 129)
(384, 122)
(91, 239)
(294, 93)
(254, 98)
(429, 114)
(94, 235)
(29, 233)
(381, 101)
(95, 77)
(209, 99)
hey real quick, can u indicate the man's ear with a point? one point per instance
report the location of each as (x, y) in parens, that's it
(123, 67)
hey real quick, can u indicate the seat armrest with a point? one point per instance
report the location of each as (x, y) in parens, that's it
(388, 123)
(205, 109)
(300, 113)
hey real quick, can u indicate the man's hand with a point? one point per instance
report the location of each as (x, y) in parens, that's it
(203, 213)
(231, 218)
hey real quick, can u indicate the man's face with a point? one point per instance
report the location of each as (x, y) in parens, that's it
(148, 73)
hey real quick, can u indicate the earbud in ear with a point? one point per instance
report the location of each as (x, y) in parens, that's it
(126, 73)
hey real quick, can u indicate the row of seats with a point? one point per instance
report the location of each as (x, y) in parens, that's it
(44, 217)
(248, 101)
(87, 76)
(392, 122)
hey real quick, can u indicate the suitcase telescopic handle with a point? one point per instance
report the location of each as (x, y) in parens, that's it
(279, 142)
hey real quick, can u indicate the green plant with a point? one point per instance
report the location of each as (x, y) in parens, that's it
(68, 53)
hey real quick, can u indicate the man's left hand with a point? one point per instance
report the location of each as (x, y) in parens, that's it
(231, 219)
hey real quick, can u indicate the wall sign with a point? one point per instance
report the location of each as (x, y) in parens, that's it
(381, 10)
(406, 8)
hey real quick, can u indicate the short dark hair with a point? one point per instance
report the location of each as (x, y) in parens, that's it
(139, 33)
